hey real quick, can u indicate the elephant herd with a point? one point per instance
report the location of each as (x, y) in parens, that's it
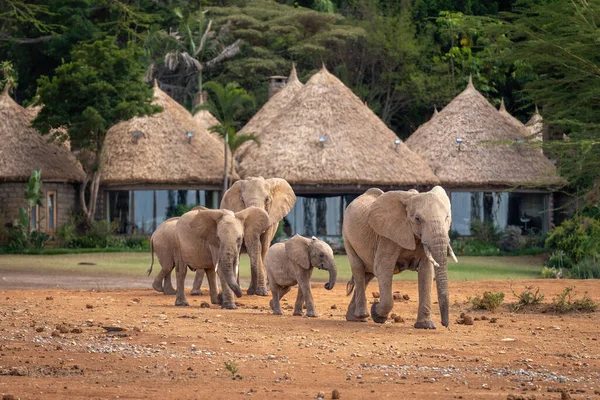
(384, 234)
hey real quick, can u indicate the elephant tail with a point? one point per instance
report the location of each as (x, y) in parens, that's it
(152, 251)
(350, 286)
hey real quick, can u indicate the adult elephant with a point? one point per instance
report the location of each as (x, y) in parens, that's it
(387, 233)
(277, 198)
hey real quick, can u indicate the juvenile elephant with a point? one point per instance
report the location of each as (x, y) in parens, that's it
(292, 263)
(164, 243)
(210, 240)
(277, 198)
(387, 233)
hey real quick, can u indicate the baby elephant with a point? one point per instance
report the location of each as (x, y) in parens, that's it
(290, 263)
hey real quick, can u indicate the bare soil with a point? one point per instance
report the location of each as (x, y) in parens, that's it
(53, 344)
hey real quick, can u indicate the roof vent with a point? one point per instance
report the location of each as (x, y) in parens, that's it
(190, 135)
(322, 140)
(397, 143)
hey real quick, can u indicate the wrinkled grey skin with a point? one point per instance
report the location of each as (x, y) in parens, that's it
(292, 263)
(211, 240)
(387, 233)
(164, 243)
(277, 198)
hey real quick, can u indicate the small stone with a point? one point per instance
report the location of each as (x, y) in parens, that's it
(493, 320)
(76, 330)
(89, 306)
(564, 395)
(468, 320)
(484, 318)
(204, 304)
(397, 296)
(229, 341)
(398, 319)
(39, 329)
(335, 394)
(49, 298)
(9, 397)
(62, 329)
(334, 307)
(321, 395)
(406, 297)
(375, 295)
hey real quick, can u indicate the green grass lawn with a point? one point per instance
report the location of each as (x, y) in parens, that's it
(467, 269)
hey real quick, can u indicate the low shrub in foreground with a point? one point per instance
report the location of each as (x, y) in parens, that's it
(563, 303)
(527, 298)
(489, 301)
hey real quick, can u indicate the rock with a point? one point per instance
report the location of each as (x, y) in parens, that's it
(321, 395)
(76, 330)
(406, 297)
(62, 329)
(493, 320)
(468, 320)
(564, 395)
(484, 318)
(49, 298)
(9, 397)
(335, 394)
(397, 296)
(113, 329)
(136, 300)
(204, 304)
(398, 319)
(334, 307)
(39, 329)
(229, 341)
(375, 295)
(89, 306)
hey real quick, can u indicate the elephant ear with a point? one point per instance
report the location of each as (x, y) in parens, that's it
(388, 218)
(297, 250)
(255, 220)
(205, 225)
(282, 200)
(440, 193)
(232, 200)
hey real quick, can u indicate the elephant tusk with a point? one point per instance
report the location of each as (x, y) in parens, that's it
(430, 257)
(452, 253)
(237, 268)
(216, 267)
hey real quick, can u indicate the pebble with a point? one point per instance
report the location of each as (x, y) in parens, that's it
(321, 395)
(334, 307)
(375, 295)
(49, 298)
(335, 394)
(89, 306)
(204, 304)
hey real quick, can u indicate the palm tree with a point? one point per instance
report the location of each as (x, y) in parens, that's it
(191, 48)
(227, 103)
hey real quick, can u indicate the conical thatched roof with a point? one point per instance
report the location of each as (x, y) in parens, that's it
(358, 148)
(155, 149)
(23, 149)
(518, 124)
(535, 125)
(489, 155)
(270, 110)
(206, 119)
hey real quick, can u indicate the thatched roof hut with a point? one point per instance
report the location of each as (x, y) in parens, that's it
(502, 110)
(23, 149)
(491, 153)
(535, 125)
(158, 150)
(327, 136)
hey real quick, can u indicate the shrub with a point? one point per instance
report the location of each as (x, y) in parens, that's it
(586, 269)
(562, 303)
(551, 273)
(485, 232)
(472, 246)
(578, 238)
(98, 236)
(511, 239)
(490, 301)
(559, 260)
(528, 297)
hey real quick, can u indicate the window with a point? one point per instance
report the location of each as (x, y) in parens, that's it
(34, 217)
(51, 211)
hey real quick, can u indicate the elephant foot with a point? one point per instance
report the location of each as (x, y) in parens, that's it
(298, 313)
(181, 303)
(426, 324)
(157, 287)
(251, 291)
(229, 306)
(312, 314)
(261, 291)
(169, 291)
(377, 318)
(277, 312)
(196, 292)
(219, 298)
(215, 300)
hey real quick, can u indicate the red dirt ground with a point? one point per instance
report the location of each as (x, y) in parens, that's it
(172, 352)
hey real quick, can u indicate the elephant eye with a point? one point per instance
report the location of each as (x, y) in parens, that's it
(322, 255)
(417, 219)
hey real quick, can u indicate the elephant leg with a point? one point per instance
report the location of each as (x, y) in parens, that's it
(385, 260)
(197, 283)
(425, 278)
(277, 294)
(228, 301)
(299, 302)
(311, 311)
(180, 297)
(350, 313)
(157, 284)
(261, 279)
(358, 304)
(255, 254)
(211, 276)
(169, 290)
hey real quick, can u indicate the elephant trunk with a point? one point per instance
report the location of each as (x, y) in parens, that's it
(438, 252)
(332, 277)
(227, 270)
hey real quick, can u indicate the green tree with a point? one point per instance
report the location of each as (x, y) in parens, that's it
(100, 87)
(228, 103)
(9, 75)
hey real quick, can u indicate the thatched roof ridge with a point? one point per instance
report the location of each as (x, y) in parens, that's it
(274, 106)
(155, 149)
(358, 148)
(535, 125)
(489, 155)
(206, 119)
(24, 149)
(518, 124)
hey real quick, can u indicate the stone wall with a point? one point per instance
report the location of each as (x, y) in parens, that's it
(12, 196)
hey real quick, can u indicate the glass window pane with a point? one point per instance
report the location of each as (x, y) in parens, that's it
(461, 212)
(118, 209)
(143, 211)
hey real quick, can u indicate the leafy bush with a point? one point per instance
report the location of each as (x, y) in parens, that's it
(586, 269)
(578, 238)
(472, 246)
(528, 297)
(485, 232)
(490, 301)
(99, 235)
(511, 239)
(559, 260)
(551, 273)
(562, 303)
